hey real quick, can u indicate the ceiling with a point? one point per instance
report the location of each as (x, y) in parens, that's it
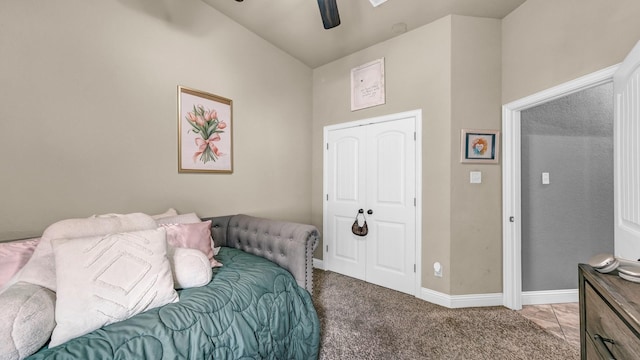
(295, 26)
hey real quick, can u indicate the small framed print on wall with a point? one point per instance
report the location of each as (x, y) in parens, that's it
(367, 85)
(204, 132)
(479, 146)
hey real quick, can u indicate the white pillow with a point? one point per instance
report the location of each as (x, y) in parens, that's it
(191, 267)
(41, 270)
(26, 319)
(106, 279)
(170, 212)
(190, 218)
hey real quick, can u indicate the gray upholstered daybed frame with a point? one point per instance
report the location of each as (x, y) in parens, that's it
(287, 244)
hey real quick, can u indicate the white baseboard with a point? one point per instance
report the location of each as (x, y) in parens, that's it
(449, 301)
(318, 264)
(495, 299)
(461, 301)
(483, 300)
(549, 297)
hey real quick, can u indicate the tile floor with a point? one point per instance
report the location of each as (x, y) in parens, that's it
(562, 320)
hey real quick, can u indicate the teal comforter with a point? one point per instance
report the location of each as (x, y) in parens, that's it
(251, 309)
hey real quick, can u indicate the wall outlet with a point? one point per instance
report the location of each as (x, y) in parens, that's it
(437, 269)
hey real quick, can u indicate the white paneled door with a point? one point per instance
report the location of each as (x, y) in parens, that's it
(372, 167)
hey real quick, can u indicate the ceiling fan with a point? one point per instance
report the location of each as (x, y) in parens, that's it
(329, 12)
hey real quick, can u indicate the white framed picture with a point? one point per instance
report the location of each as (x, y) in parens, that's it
(367, 85)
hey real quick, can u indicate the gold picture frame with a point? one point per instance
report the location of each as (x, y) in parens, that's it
(479, 146)
(205, 132)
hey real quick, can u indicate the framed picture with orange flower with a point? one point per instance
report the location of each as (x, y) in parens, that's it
(204, 132)
(479, 146)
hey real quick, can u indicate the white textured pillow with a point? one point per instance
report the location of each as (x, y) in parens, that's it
(105, 279)
(26, 319)
(170, 212)
(190, 218)
(41, 270)
(191, 267)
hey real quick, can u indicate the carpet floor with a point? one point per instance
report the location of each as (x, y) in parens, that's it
(365, 321)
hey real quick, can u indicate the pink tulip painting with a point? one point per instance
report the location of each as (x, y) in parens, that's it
(205, 124)
(205, 132)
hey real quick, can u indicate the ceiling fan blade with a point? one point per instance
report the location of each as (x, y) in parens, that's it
(329, 13)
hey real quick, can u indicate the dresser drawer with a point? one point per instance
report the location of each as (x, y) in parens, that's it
(591, 352)
(603, 321)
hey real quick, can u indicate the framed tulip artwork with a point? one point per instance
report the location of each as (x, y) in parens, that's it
(204, 132)
(479, 146)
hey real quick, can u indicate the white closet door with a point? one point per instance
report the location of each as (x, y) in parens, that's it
(346, 192)
(372, 167)
(627, 157)
(390, 196)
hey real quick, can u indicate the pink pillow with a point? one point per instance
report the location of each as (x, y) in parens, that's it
(195, 236)
(13, 256)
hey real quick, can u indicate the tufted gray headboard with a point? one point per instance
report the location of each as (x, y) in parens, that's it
(287, 244)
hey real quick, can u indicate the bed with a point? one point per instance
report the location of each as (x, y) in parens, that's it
(256, 306)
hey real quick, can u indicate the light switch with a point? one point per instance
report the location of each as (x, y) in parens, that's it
(545, 178)
(475, 177)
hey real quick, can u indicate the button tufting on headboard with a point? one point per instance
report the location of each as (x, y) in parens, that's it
(292, 242)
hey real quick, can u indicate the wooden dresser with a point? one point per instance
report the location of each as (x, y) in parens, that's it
(609, 316)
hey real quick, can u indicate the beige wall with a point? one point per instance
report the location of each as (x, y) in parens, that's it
(417, 76)
(476, 233)
(451, 70)
(89, 113)
(549, 42)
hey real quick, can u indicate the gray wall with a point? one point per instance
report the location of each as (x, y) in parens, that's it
(570, 219)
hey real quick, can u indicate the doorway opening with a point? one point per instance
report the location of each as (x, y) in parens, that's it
(512, 189)
(567, 191)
